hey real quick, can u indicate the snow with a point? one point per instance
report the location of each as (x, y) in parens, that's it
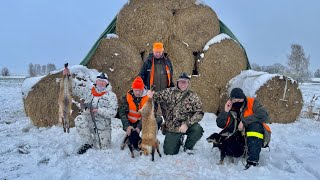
(200, 2)
(110, 36)
(315, 80)
(250, 81)
(216, 39)
(28, 83)
(27, 152)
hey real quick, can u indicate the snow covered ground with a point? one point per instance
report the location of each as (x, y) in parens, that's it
(27, 152)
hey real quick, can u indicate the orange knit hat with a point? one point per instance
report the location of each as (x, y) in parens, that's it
(158, 46)
(138, 83)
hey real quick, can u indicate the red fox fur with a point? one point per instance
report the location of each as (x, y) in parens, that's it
(149, 142)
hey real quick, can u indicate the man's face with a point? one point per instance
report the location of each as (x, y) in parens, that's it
(137, 92)
(183, 84)
(157, 54)
(101, 83)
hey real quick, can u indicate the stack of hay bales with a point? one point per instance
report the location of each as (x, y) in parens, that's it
(120, 60)
(41, 101)
(184, 26)
(279, 94)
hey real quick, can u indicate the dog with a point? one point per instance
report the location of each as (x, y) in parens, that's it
(132, 142)
(149, 142)
(231, 146)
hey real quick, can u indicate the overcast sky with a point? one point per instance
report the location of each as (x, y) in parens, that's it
(43, 31)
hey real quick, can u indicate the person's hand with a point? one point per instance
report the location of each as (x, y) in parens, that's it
(137, 130)
(129, 129)
(228, 106)
(183, 128)
(94, 110)
(240, 126)
(150, 93)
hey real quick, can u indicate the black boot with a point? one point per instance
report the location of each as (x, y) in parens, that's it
(249, 164)
(84, 148)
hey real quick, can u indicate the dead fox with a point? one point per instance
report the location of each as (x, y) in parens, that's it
(65, 99)
(149, 142)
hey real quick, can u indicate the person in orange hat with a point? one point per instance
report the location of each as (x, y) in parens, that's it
(132, 102)
(157, 72)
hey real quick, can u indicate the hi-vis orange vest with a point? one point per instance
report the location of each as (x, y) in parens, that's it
(249, 112)
(133, 115)
(152, 73)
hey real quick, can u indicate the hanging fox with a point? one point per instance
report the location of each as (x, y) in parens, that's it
(65, 99)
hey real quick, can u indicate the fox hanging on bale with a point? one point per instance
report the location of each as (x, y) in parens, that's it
(149, 142)
(65, 99)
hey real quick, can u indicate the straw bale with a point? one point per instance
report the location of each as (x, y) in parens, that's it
(120, 60)
(196, 25)
(221, 62)
(143, 23)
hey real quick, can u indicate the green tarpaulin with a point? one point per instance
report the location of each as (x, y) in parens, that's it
(111, 29)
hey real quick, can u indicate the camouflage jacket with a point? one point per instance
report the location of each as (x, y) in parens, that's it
(188, 111)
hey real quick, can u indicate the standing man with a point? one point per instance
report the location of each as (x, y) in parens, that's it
(184, 109)
(252, 116)
(94, 123)
(157, 71)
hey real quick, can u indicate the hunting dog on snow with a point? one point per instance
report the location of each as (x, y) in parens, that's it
(232, 145)
(132, 142)
(149, 142)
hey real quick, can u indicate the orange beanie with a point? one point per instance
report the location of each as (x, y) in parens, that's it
(158, 46)
(138, 83)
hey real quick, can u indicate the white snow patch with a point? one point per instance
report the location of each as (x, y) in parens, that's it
(28, 83)
(250, 81)
(216, 39)
(201, 2)
(110, 36)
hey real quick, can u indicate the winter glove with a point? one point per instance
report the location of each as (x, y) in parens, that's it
(183, 128)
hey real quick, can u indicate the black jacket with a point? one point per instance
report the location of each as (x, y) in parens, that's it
(259, 116)
(146, 69)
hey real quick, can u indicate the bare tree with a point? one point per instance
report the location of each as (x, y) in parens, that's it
(43, 69)
(5, 71)
(31, 70)
(256, 67)
(298, 63)
(51, 67)
(37, 68)
(317, 73)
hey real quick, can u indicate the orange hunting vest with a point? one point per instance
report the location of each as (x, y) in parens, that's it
(248, 112)
(152, 73)
(133, 115)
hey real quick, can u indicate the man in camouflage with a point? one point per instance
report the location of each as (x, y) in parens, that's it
(101, 103)
(184, 111)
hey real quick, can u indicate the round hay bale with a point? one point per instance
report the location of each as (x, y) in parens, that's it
(178, 4)
(221, 62)
(209, 94)
(181, 57)
(41, 104)
(120, 60)
(280, 95)
(143, 23)
(196, 25)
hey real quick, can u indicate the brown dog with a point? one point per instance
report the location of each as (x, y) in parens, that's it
(149, 142)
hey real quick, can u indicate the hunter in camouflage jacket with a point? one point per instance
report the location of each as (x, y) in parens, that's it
(187, 110)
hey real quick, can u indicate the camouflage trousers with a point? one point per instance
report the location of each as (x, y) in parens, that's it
(85, 128)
